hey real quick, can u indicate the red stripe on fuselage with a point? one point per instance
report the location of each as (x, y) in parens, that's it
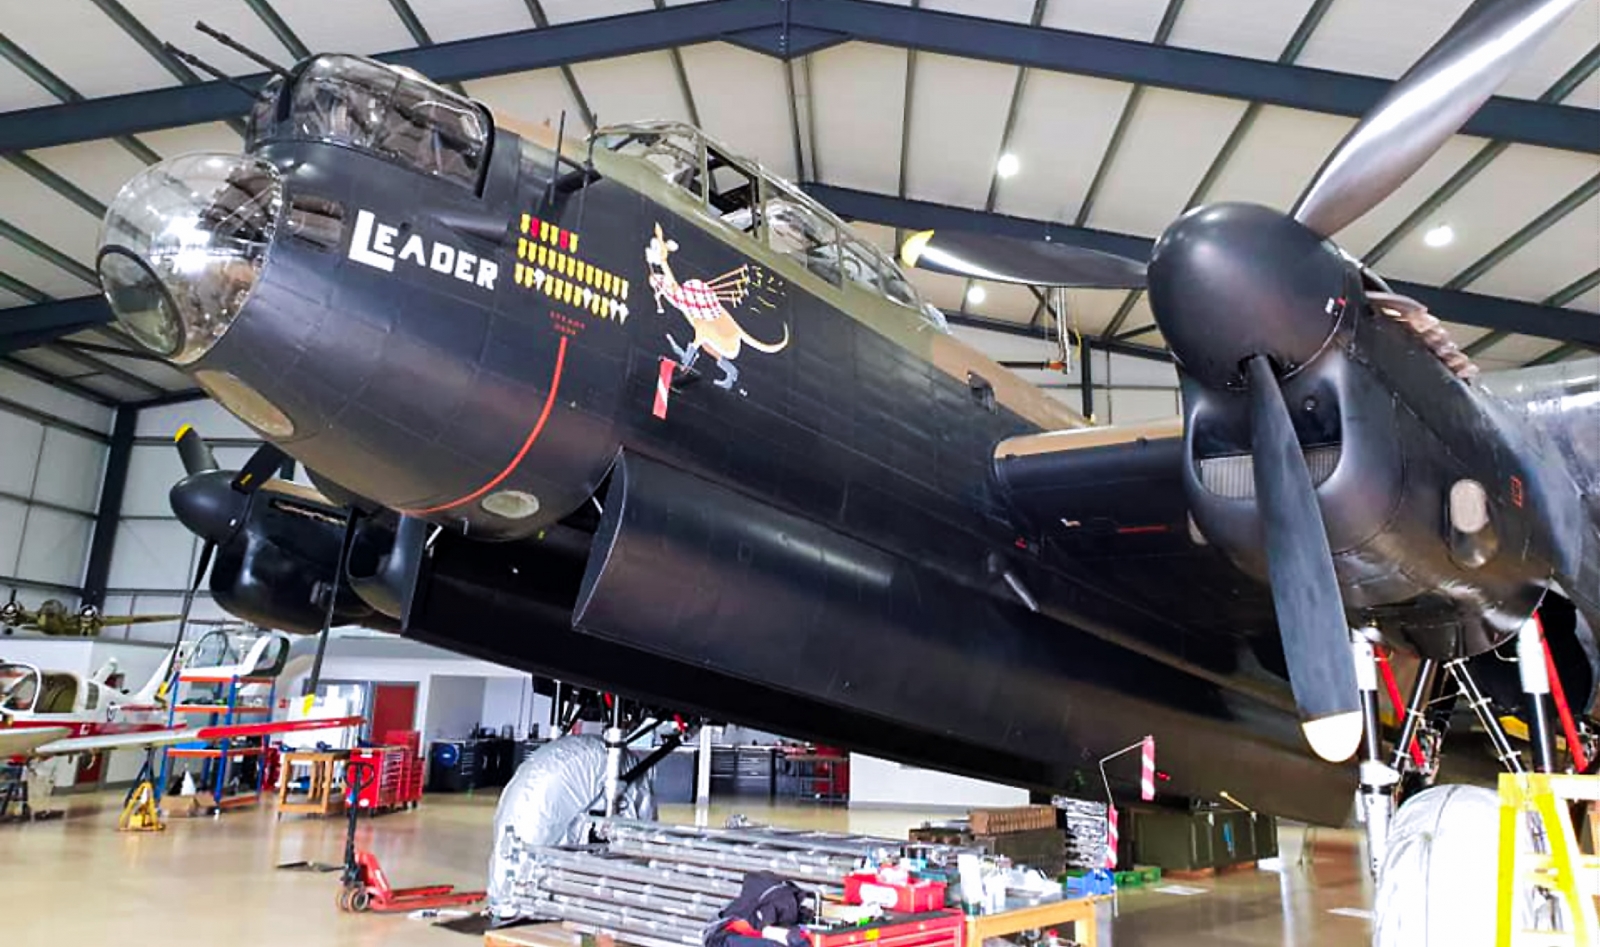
(533, 435)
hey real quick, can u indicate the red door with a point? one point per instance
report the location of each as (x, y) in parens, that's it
(394, 707)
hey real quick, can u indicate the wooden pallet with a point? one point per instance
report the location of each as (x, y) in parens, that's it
(1015, 819)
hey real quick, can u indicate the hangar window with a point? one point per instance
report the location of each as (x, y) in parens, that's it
(391, 112)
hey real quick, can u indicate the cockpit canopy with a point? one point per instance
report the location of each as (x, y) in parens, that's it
(765, 208)
(27, 690)
(387, 111)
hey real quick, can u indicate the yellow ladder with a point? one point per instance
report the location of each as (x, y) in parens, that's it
(1565, 871)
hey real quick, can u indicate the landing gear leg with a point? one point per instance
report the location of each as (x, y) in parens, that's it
(1536, 689)
(1378, 779)
(615, 741)
(1503, 750)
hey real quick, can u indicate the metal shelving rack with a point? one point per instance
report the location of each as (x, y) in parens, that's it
(219, 756)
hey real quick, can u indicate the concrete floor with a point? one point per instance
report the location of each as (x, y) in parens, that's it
(77, 880)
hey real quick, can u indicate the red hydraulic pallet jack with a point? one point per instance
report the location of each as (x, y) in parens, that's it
(364, 886)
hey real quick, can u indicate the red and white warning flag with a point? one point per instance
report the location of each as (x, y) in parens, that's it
(1111, 838)
(664, 386)
(1147, 771)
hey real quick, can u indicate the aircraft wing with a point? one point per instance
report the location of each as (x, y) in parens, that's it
(150, 738)
(115, 621)
(23, 741)
(1112, 501)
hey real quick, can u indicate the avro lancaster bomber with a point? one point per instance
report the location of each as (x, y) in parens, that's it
(635, 413)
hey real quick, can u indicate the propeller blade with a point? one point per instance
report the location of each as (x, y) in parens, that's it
(1429, 104)
(1029, 262)
(1305, 591)
(196, 453)
(206, 552)
(265, 462)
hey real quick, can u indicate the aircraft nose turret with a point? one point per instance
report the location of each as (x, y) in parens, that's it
(183, 245)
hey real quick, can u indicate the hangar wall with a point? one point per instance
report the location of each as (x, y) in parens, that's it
(155, 556)
(53, 447)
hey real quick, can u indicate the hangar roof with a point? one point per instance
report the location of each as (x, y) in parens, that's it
(892, 112)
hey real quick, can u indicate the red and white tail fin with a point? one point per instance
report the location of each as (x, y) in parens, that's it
(155, 690)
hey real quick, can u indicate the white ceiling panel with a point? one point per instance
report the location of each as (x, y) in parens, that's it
(1091, 310)
(857, 93)
(84, 47)
(53, 401)
(958, 114)
(565, 11)
(1378, 37)
(39, 211)
(742, 101)
(1259, 29)
(345, 26)
(53, 362)
(1169, 144)
(632, 88)
(448, 20)
(1512, 190)
(942, 291)
(1362, 235)
(17, 91)
(1559, 52)
(878, 235)
(213, 136)
(1017, 11)
(1555, 258)
(1128, 19)
(44, 276)
(157, 373)
(9, 300)
(1586, 95)
(1062, 129)
(173, 21)
(98, 167)
(1463, 335)
(532, 97)
(1519, 349)
(1006, 301)
(1139, 317)
(1588, 302)
(1279, 156)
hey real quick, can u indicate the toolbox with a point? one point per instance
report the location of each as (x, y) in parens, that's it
(928, 929)
(915, 896)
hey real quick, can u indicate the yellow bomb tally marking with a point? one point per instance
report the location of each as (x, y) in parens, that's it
(547, 262)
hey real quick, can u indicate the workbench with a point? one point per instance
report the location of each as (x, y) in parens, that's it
(1079, 912)
(325, 793)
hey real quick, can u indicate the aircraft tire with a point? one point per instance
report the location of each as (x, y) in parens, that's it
(1437, 885)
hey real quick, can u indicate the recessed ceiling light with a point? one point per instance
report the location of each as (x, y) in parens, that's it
(1440, 236)
(976, 295)
(1008, 165)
